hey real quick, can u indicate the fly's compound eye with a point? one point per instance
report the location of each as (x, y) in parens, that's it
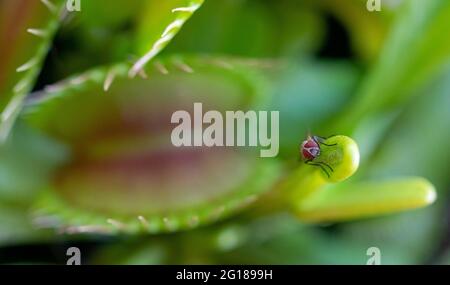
(314, 151)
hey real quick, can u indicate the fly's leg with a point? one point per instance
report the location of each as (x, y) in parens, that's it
(320, 140)
(310, 162)
(325, 164)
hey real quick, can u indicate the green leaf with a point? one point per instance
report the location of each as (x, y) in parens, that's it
(414, 52)
(404, 150)
(106, 32)
(26, 32)
(125, 174)
(31, 155)
(262, 29)
(160, 23)
(28, 161)
(365, 199)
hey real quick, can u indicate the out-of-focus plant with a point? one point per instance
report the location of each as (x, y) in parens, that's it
(26, 33)
(125, 175)
(100, 139)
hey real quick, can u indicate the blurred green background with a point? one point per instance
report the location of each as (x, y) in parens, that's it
(329, 67)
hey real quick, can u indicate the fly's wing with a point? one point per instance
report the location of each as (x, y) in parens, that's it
(321, 140)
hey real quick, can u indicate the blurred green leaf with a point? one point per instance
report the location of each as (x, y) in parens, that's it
(16, 227)
(414, 51)
(106, 32)
(26, 31)
(405, 151)
(252, 28)
(27, 162)
(412, 235)
(364, 199)
(287, 241)
(367, 30)
(125, 174)
(159, 24)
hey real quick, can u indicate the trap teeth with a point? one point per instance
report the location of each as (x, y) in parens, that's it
(153, 186)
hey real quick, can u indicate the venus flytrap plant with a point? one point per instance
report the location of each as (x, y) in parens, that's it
(340, 154)
(337, 160)
(106, 131)
(124, 30)
(314, 193)
(317, 199)
(156, 31)
(383, 89)
(119, 112)
(365, 199)
(125, 175)
(26, 32)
